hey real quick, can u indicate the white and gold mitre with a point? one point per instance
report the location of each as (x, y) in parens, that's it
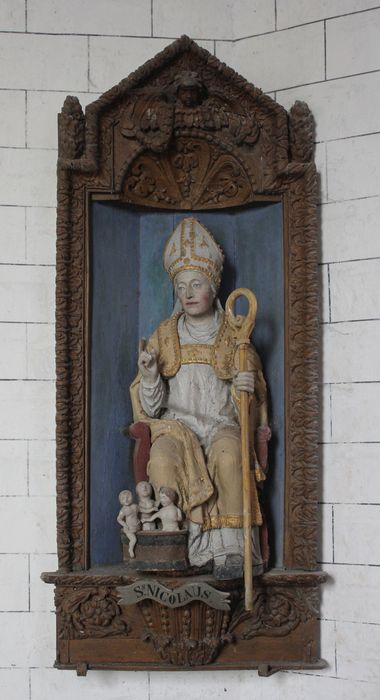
(192, 247)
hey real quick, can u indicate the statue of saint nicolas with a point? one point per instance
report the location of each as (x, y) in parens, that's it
(187, 390)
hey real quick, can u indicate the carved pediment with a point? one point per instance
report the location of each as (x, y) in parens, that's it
(236, 136)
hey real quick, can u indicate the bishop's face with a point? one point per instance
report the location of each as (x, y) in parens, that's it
(195, 293)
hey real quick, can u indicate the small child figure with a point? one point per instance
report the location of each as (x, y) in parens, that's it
(128, 518)
(169, 514)
(146, 504)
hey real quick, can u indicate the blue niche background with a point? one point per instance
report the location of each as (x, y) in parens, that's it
(131, 294)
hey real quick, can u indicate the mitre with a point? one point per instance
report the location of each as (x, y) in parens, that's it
(192, 247)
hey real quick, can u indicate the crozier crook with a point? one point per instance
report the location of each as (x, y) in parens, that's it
(243, 327)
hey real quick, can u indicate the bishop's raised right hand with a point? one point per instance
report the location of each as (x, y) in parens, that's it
(147, 364)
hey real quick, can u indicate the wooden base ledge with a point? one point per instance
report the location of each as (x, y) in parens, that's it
(99, 628)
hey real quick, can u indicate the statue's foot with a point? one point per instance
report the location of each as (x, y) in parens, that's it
(231, 567)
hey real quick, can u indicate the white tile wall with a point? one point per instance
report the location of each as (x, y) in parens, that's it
(216, 19)
(40, 351)
(27, 177)
(111, 60)
(355, 410)
(346, 96)
(326, 545)
(13, 357)
(98, 685)
(350, 230)
(30, 643)
(351, 593)
(351, 352)
(35, 62)
(292, 12)
(40, 235)
(102, 17)
(354, 290)
(14, 683)
(12, 16)
(232, 685)
(33, 530)
(320, 156)
(27, 293)
(353, 534)
(41, 595)
(358, 652)
(324, 302)
(353, 167)
(13, 467)
(325, 413)
(12, 118)
(280, 59)
(351, 473)
(351, 44)
(12, 235)
(28, 410)
(14, 590)
(41, 462)
(85, 48)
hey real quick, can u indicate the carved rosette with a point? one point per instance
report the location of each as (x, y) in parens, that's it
(89, 612)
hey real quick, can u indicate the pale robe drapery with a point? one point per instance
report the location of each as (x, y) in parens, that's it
(202, 401)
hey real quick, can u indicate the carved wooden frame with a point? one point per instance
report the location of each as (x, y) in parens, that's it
(269, 153)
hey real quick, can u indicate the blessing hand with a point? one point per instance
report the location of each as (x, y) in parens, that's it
(244, 381)
(147, 364)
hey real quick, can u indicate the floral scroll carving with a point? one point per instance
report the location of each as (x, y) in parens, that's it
(194, 172)
(276, 612)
